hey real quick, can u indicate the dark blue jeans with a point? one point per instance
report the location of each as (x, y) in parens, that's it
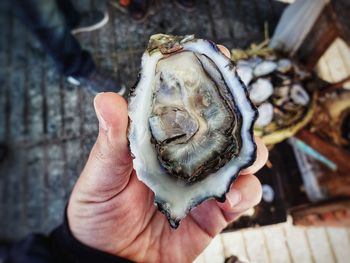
(51, 22)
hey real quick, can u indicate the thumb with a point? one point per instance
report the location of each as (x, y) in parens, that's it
(109, 166)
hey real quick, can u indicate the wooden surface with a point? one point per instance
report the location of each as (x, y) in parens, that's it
(318, 39)
(337, 155)
(332, 23)
(281, 243)
(334, 65)
(341, 11)
(332, 212)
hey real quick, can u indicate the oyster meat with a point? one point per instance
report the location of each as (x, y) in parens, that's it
(191, 123)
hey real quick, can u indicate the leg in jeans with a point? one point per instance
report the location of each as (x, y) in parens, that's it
(48, 23)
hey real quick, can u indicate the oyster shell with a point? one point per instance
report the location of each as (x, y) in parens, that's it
(245, 71)
(260, 90)
(191, 123)
(265, 114)
(284, 65)
(265, 67)
(299, 95)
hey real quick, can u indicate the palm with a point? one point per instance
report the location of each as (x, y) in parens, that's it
(111, 210)
(131, 226)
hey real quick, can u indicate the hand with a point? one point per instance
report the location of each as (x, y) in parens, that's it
(111, 210)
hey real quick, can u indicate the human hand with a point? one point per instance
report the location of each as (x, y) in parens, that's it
(112, 211)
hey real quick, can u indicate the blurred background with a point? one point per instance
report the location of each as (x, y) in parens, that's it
(48, 125)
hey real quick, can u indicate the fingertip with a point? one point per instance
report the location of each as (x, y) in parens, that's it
(262, 155)
(250, 194)
(233, 198)
(109, 101)
(224, 50)
(253, 191)
(112, 109)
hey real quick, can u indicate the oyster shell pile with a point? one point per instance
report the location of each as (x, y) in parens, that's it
(277, 87)
(190, 123)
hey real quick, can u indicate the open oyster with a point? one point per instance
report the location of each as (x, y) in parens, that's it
(190, 123)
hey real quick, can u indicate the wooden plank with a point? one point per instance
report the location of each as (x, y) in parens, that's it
(121, 26)
(341, 10)
(322, 69)
(89, 120)
(4, 43)
(4, 86)
(55, 188)
(17, 78)
(297, 243)
(53, 101)
(234, 244)
(35, 112)
(277, 244)
(256, 247)
(344, 51)
(319, 245)
(335, 154)
(74, 164)
(340, 243)
(318, 39)
(12, 195)
(334, 62)
(319, 212)
(105, 47)
(334, 65)
(72, 111)
(214, 253)
(13, 86)
(35, 194)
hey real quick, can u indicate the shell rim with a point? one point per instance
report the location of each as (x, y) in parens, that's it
(160, 204)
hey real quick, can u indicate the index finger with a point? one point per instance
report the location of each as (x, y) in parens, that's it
(224, 50)
(262, 155)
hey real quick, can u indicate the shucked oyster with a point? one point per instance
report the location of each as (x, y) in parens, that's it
(190, 123)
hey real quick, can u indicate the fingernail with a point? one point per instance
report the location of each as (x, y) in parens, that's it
(234, 197)
(101, 121)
